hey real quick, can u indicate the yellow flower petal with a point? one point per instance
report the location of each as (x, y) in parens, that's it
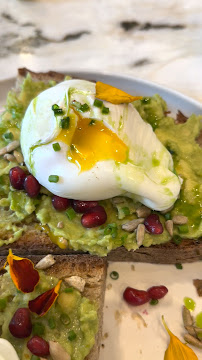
(176, 349)
(113, 95)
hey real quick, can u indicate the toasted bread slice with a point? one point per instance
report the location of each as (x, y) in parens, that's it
(39, 243)
(93, 270)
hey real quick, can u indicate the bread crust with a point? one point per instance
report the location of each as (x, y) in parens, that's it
(37, 242)
(93, 270)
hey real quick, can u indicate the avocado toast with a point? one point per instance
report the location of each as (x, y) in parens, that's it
(113, 237)
(75, 319)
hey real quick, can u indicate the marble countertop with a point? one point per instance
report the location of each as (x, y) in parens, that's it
(150, 39)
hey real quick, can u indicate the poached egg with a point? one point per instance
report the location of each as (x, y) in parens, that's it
(84, 149)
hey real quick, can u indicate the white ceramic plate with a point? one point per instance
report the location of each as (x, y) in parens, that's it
(137, 333)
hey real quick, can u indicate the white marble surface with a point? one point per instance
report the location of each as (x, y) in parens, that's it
(163, 43)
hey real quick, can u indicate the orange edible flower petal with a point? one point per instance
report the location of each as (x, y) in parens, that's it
(22, 272)
(42, 303)
(176, 349)
(113, 95)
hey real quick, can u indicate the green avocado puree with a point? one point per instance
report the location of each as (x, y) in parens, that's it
(16, 208)
(70, 313)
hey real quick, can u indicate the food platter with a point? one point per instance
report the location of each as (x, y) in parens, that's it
(137, 332)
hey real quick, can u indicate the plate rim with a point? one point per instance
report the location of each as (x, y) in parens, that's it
(121, 77)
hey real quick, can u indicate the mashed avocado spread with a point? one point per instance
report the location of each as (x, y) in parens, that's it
(17, 210)
(72, 320)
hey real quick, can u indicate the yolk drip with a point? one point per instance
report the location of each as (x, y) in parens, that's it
(91, 142)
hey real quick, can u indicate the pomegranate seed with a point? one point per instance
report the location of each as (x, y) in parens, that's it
(83, 206)
(17, 177)
(135, 297)
(94, 217)
(60, 203)
(38, 346)
(20, 325)
(31, 186)
(153, 224)
(157, 292)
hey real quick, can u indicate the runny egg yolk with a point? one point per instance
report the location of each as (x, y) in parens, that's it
(91, 142)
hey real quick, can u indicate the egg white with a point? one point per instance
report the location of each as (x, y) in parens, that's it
(7, 351)
(154, 185)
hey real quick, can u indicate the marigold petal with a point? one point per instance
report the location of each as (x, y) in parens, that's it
(113, 95)
(23, 273)
(42, 303)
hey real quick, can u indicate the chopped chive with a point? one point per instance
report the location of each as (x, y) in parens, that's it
(38, 329)
(65, 319)
(84, 108)
(105, 110)
(126, 210)
(98, 103)
(72, 147)
(70, 213)
(53, 178)
(51, 323)
(69, 290)
(64, 123)
(3, 303)
(72, 335)
(57, 110)
(179, 266)
(56, 147)
(8, 136)
(177, 239)
(92, 122)
(145, 100)
(111, 229)
(168, 216)
(183, 229)
(154, 302)
(123, 238)
(114, 275)
(34, 357)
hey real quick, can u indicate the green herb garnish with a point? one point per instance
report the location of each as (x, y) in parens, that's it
(57, 110)
(64, 123)
(177, 239)
(105, 110)
(114, 275)
(168, 216)
(154, 302)
(179, 266)
(38, 329)
(70, 213)
(183, 229)
(56, 147)
(34, 357)
(69, 290)
(126, 210)
(145, 100)
(92, 122)
(8, 136)
(111, 229)
(98, 103)
(51, 323)
(53, 178)
(72, 335)
(3, 303)
(84, 108)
